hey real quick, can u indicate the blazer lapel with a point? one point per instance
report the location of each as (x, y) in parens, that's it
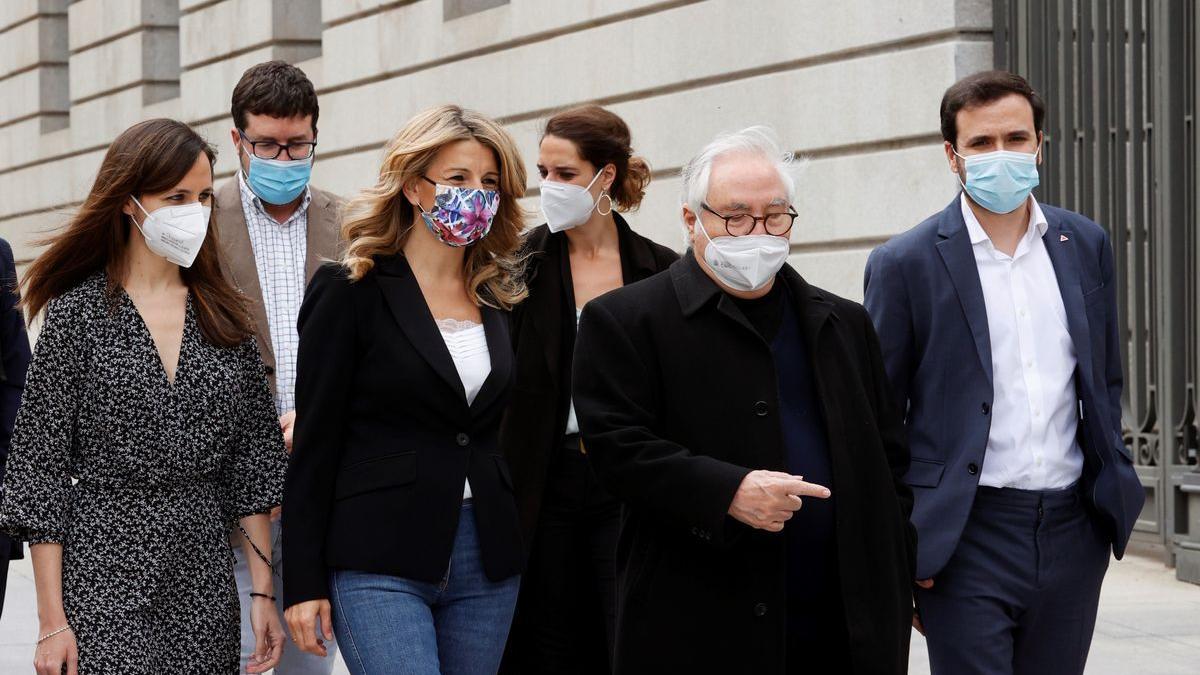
(495, 326)
(408, 306)
(637, 260)
(237, 254)
(322, 235)
(545, 299)
(959, 257)
(1064, 258)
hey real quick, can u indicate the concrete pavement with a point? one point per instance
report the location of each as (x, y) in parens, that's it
(1149, 623)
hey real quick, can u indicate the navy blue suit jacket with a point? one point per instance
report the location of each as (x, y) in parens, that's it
(924, 295)
(14, 360)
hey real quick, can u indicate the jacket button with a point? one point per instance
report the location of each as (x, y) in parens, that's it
(760, 609)
(761, 409)
(972, 468)
(985, 408)
(462, 439)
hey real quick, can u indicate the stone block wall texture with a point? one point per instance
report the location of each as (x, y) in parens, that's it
(852, 86)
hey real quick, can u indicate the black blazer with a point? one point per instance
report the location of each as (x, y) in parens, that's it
(544, 339)
(677, 401)
(384, 438)
(14, 361)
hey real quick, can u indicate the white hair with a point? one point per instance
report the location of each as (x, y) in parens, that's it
(757, 140)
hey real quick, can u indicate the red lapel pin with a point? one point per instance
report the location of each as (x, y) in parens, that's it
(1062, 237)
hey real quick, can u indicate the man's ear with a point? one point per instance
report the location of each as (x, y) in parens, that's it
(950, 156)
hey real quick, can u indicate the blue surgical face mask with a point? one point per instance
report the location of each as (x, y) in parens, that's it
(1000, 181)
(276, 181)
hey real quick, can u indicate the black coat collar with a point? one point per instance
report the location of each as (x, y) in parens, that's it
(403, 296)
(545, 248)
(695, 289)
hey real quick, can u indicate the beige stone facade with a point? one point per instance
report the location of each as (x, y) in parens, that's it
(854, 85)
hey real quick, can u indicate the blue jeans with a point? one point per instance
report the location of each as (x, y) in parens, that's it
(388, 624)
(294, 661)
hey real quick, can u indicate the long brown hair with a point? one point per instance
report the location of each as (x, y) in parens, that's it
(378, 221)
(149, 157)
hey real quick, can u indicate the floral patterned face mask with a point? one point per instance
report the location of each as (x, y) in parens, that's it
(461, 216)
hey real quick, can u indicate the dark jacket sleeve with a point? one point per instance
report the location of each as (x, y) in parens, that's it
(615, 404)
(37, 481)
(892, 435)
(887, 302)
(1114, 376)
(324, 372)
(14, 346)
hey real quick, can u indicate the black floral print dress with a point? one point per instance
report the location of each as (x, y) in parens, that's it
(141, 480)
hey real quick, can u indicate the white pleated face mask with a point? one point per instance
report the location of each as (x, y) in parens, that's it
(175, 232)
(566, 205)
(745, 263)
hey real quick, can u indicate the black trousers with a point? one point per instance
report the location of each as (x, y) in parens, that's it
(566, 612)
(6, 548)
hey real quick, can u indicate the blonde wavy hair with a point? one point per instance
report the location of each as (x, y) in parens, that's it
(379, 220)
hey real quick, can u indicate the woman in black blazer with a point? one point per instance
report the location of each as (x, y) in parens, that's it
(567, 607)
(401, 523)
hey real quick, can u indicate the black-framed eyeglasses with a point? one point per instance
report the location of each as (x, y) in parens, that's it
(744, 223)
(272, 150)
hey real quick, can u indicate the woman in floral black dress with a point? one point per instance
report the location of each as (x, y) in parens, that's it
(146, 430)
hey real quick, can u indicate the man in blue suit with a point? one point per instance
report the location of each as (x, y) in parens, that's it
(998, 324)
(14, 359)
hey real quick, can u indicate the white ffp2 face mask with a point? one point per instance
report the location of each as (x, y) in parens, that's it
(567, 205)
(175, 232)
(745, 263)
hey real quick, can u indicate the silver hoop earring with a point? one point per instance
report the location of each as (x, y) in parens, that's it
(604, 195)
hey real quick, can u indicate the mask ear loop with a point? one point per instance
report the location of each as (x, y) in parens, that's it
(135, 222)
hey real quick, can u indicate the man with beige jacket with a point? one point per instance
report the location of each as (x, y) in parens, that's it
(275, 230)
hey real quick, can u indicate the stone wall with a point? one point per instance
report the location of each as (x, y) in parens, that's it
(852, 85)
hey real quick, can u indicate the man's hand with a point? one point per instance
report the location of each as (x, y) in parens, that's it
(926, 584)
(287, 422)
(302, 624)
(767, 499)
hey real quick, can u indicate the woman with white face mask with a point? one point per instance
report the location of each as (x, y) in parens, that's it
(567, 608)
(147, 431)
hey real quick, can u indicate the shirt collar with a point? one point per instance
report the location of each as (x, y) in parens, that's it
(1036, 218)
(253, 200)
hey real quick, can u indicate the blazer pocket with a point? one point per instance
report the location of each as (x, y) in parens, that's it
(376, 474)
(1095, 295)
(924, 472)
(1124, 451)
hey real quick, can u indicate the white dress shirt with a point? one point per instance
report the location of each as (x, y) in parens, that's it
(280, 252)
(1032, 444)
(468, 347)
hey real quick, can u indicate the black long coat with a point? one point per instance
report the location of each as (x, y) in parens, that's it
(677, 401)
(543, 330)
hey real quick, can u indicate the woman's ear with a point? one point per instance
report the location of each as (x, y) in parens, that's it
(609, 175)
(130, 208)
(410, 192)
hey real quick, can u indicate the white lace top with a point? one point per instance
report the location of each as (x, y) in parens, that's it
(468, 347)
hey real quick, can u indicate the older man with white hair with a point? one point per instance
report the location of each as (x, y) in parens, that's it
(715, 400)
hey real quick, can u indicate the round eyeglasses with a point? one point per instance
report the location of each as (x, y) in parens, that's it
(743, 223)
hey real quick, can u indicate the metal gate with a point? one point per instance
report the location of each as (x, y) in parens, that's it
(1120, 82)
